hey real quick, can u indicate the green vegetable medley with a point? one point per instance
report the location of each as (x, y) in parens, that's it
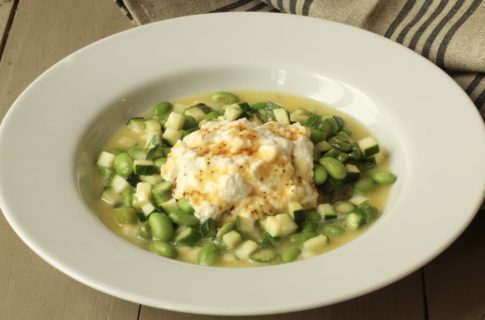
(344, 172)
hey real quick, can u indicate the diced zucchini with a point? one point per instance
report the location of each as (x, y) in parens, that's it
(152, 126)
(111, 197)
(294, 206)
(326, 211)
(162, 192)
(316, 244)
(195, 112)
(369, 146)
(169, 206)
(299, 216)
(143, 192)
(172, 135)
(137, 153)
(119, 184)
(144, 167)
(187, 235)
(271, 225)
(231, 239)
(279, 225)
(126, 142)
(344, 207)
(147, 208)
(227, 227)
(245, 249)
(245, 225)
(232, 112)
(154, 140)
(175, 121)
(106, 159)
(124, 216)
(255, 120)
(152, 179)
(179, 107)
(353, 173)
(354, 221)
(136, 124)
(299, 115)
(127, 197)
(358, 199)
(263, 255)
(281, 116)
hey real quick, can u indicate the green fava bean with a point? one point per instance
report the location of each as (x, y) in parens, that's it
(335, 168)
(290, 254)
(225, 97)
(161, 226)
(208, 255)
(384, 177)
(320, 175)
(123, 164)
(163, 249)
(162, 108)
(184, 219)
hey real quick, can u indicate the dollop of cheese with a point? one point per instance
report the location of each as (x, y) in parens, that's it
(227, 169)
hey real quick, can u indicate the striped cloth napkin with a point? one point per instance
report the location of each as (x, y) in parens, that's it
(450, 33)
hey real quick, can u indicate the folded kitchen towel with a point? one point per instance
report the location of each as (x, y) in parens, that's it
(450, 33)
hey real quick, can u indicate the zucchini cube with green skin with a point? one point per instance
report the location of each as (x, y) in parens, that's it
(195, 112)
(246, 249)
(299, 115)
(245, 225)
(110, 197)
(326, 211)
(232, 112)
(172, 135)
(152, 126)
(281, 115)
(147, 208)
(136, 124)
(144, 167)
(354, 221)
(170, 206)
(316, 244)
(231, 239)
(279, 225)
(106, 159)
(119, 184)
(369, 146)
(143, 192)
(175, 121)
(162, 193)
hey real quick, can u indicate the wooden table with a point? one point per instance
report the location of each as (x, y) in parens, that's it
(34, 35)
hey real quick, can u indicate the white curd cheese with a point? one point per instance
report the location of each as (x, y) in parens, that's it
(236, 168)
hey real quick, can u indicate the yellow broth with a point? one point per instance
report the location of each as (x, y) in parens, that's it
(377, 198)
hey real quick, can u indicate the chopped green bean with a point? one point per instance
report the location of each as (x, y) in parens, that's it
(331, 230)
(208, 228)
(302, 236)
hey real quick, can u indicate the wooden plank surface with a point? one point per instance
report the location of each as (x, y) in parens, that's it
(42, 33)
(6, 7)
(455, 281)
(402, 300)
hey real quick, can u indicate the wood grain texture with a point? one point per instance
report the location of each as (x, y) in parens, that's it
(402, 300)
(6, 7)
(455, 281)
(42, 33)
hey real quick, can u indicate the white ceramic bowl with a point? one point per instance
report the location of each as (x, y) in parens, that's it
(51, 135)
